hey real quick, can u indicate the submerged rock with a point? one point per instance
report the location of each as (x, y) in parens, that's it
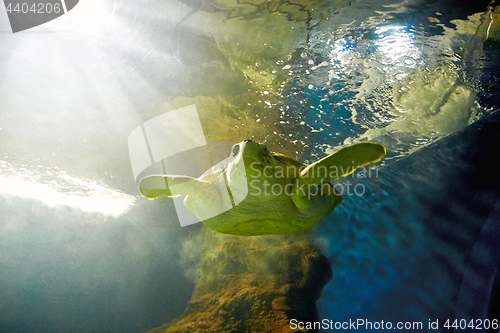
(253, 284)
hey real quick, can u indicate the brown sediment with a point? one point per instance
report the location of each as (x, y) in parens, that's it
(253, 284)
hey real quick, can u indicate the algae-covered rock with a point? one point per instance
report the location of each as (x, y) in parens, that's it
(257, 36)
(255, 46)
(254, 284)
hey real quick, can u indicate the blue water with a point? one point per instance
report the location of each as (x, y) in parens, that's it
(402, 252)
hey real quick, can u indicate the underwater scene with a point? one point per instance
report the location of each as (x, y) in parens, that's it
(249, 166)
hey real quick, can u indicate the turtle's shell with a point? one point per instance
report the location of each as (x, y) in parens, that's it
(255, 192)
(255, 186)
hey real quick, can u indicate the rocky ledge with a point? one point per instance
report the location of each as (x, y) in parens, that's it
(253, 284)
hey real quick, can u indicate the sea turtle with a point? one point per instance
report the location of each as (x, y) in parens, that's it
(256, 192)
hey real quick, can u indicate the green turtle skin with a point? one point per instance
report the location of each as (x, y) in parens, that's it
(256, 192)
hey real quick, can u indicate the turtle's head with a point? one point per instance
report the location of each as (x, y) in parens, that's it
(247, 161)
(253, 154)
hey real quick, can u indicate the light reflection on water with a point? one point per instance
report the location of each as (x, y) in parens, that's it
(390, 83)
(55, 188)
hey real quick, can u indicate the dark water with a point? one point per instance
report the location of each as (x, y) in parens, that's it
(402, 252)
(73, 91)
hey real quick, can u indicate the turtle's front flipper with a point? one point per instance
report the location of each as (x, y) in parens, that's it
(156, 186)
(315, 178)
(202, 198)
(342, 162)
